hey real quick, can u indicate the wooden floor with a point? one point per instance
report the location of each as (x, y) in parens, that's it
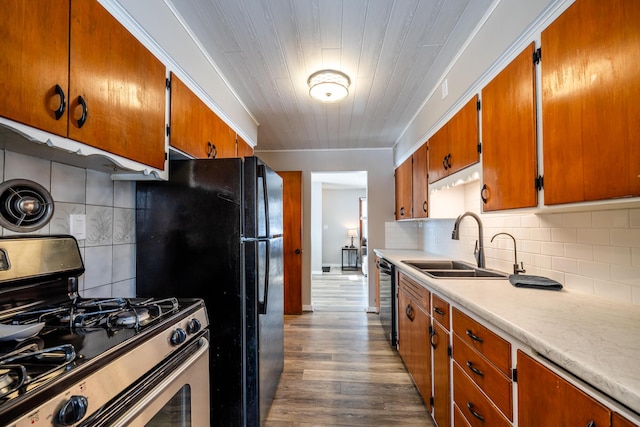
(339, 368)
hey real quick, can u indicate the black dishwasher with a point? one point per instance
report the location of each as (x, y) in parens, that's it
(388, 300)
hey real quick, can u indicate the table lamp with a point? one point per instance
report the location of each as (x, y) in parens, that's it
(352, 232)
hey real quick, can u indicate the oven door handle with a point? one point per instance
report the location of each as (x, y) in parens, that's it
(146, 393)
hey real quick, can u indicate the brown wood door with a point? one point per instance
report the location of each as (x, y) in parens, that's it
(438, 152)
(463, 137)
(419, 185)
(509, 166)
(403, 181)
(546, 399)
(292, 217)
(34, 41)
(190, 120)
(122, 84)
(441, 376)
(590, 109)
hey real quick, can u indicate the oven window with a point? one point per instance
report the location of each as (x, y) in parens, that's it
(176, 412)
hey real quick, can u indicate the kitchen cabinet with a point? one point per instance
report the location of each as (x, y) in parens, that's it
(455, 145)
(618, 420)
(545, 398)
(195, 128)
(482, 359)
(243, 148)
(590, 109)
(509, 166)
(441, 361)
(84, 77)
(413, 333)
(419, 185)
(404, 192)
(411, 185)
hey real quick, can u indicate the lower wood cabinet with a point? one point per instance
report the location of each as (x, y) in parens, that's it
(413, 333)
(546, 399)
(441, 403)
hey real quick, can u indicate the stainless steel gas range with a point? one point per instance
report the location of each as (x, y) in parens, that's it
(72, 361)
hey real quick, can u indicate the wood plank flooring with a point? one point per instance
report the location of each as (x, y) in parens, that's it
(339, 368)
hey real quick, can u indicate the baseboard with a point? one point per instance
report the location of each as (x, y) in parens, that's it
(372, 310)
(307, 307)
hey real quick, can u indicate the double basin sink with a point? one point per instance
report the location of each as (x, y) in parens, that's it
(452, 269)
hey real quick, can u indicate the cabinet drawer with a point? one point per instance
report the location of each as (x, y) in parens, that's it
(474, 405)
(490, 345)
(458, 419)
(416, 291)
(485, 375)
(440, 310)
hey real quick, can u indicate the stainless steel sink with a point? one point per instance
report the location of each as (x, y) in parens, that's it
(453, 269)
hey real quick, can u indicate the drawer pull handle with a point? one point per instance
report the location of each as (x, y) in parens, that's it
(60, 110)
(409, 312)
(473, 337)
(433, 337)
(474, 369)
(591, 424)
(474, 413)
(438, 311)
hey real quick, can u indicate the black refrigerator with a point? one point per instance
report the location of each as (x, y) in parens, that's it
(214, 231)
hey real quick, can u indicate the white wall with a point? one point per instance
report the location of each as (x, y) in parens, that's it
(109, 250)
(380, 195)
(340, 211)
(316, 227)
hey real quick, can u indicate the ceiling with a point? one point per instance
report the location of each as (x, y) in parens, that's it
(394, 51)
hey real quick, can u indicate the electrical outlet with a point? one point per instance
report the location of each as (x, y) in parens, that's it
(78, 226)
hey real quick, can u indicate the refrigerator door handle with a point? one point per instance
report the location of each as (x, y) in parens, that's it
(262, 174)
(262, 305)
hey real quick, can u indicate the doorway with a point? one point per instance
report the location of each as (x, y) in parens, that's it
(337, 236)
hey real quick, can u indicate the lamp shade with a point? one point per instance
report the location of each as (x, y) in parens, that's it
(352, 232)
(328, 86)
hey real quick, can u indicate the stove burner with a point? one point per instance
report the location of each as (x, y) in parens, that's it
(132, 317)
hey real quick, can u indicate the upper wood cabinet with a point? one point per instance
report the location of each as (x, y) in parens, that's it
(509, 167)
(244, 149)
(590, 109)
(404, 193)
(455, 145)
(195, 128)
(420, 187)
(87, 79)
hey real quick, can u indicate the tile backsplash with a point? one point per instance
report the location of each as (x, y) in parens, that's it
(596, 251)
(108, 251)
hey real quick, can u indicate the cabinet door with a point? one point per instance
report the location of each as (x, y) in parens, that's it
(509, 167)
(419, 184)
(546, 399)
(441, 376)
(590, 109)
(413, 342)
(463, 137)
(34, 41)
(190, 120)
(438, 152)
(404, 190)
(224, 139)
(618, 421)
(122, 85)
(244, 149)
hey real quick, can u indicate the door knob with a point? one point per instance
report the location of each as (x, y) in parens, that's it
(298, 251)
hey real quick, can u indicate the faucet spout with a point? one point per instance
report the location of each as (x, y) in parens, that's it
(479, 251)
(516, 268)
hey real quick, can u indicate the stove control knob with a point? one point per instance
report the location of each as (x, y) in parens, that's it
(72, 411)
(194, 326)
(178, 336)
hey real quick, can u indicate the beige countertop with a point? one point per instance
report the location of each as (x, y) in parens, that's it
(594, 339)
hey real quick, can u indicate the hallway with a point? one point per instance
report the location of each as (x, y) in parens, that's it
(339, 368)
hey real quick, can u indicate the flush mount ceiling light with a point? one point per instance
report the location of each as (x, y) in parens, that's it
(328, 86)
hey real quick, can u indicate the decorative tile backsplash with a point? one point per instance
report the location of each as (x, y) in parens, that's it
(109, 248)
(595, 251)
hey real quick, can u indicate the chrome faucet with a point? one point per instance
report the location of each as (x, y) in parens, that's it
(479, 250)
(516, 269)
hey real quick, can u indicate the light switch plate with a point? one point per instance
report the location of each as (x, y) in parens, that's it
(78, 226)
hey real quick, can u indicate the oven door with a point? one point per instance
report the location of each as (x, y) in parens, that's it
(175, 393)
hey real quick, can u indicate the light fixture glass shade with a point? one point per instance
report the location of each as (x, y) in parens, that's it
(352, 232)
(328, 86)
